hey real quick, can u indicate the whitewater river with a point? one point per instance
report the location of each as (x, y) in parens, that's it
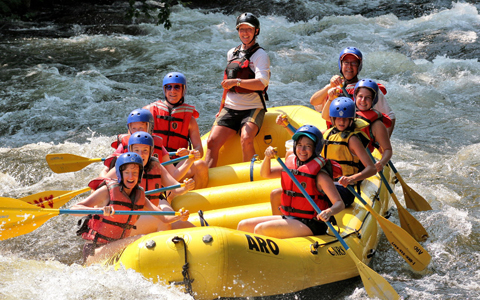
(71, 94)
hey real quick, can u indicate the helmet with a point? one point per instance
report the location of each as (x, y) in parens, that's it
(342, 107)
(128, 158)
(143, 138)
(312, 133)
(354, 51)
(141, 115)
(370, 84)
(249, 19)
(175, 77)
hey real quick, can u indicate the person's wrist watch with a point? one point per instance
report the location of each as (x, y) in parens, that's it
(238, 81)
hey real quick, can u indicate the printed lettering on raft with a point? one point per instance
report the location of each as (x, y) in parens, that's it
(336, 251)
(260, 245)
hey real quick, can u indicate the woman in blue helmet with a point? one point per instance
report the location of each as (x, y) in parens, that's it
(350, 62)
(108, 233)
(365, 97)
(346, 144)
(175, 122)
(316, 174)
(246, 79)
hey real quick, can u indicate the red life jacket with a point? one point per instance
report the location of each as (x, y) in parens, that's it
(152, 179)
(293, 202)
(238, 67)
(122, 139)
(104, 229)
(172, 125)
(371, 116)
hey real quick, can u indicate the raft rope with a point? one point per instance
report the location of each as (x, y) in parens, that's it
(203, 222)
(252, 165)
(186, 276)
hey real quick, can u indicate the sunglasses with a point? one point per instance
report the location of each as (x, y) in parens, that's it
(177, 87)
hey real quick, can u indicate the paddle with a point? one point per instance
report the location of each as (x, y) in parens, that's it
(167, 188)
(375, 285)
(285, 121)
(64, 162)
(222, 104)
(412, 199)
(52, 199)
(407, 221)
(408, 248)
(56, 199)
(18, 217)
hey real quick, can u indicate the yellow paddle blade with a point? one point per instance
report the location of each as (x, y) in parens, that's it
(409, 223)
(64, 162)
(408, 248)
(412, 199)
(375, 285)
(52, 199)
(18, 217)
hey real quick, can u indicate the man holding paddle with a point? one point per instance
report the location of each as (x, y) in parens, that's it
(107, 234)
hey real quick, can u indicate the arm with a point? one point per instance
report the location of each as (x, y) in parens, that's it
(325, 183)
(357, 149)
(332, 95)
(194, 133)
(97, 200)
(381, 135)
(283, 121)
(184, 214)
(383, 107)
(168, 180)
(320, 97)
(261, 68)
(265, 169)
(390, 129)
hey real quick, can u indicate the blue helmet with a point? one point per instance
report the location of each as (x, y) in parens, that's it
(369, 84)
(141, 115)
(143, 138)
(128, 158)
(312, 133)
(175, 77)
(355, 52)
(342, 107)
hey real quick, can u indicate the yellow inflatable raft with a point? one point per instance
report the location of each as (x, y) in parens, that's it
(214, 261)
(219, 261)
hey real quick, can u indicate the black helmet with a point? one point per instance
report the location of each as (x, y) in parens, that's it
(249, 19)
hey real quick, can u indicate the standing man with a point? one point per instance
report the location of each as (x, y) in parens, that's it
(350, 63)
(245, 82)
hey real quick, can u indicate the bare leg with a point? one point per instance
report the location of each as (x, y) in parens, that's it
(276, 200)
(249, 131)
(249, 225)
(217, 138)
(283, 229)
